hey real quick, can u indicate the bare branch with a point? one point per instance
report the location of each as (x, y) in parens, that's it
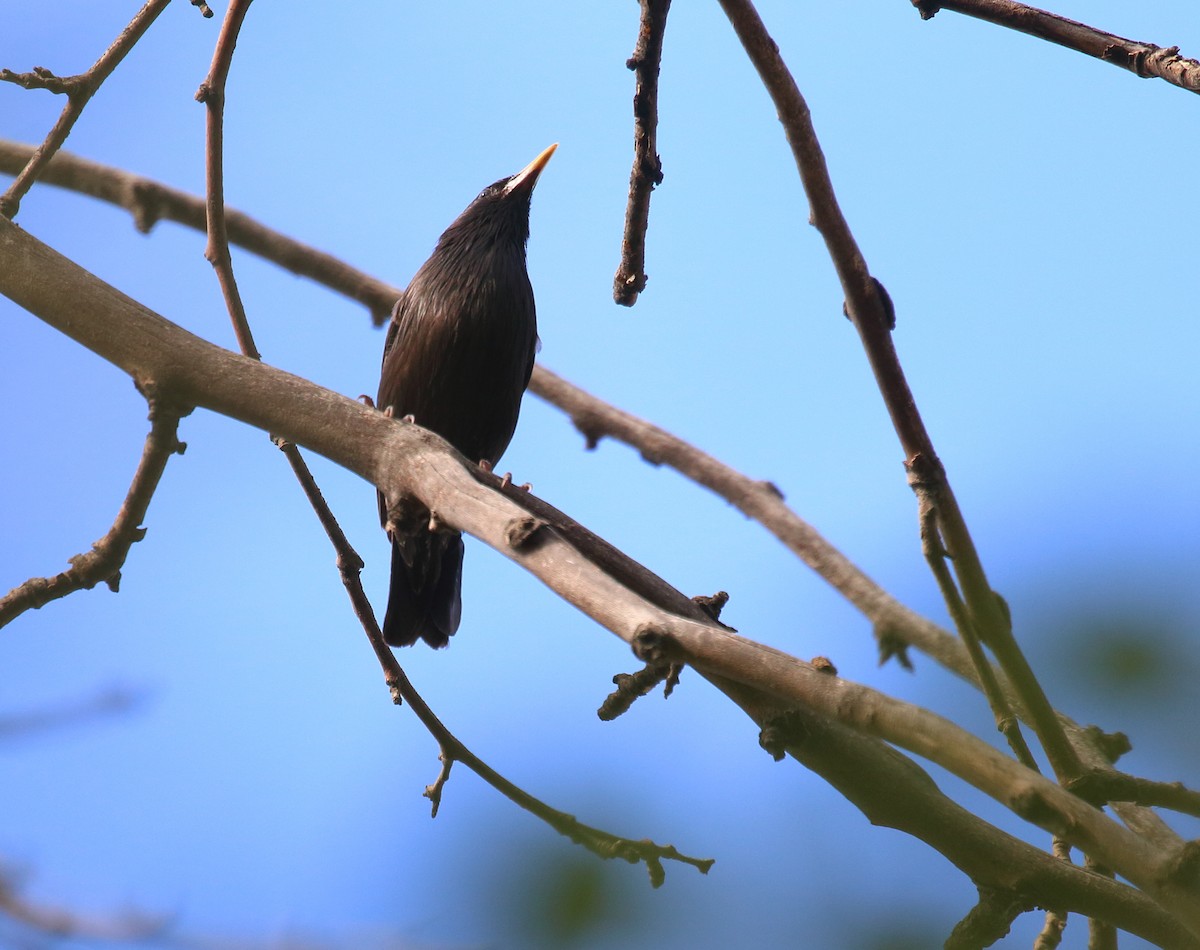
(104, 561)
(452, 749)
(989, 920)
(893, 791)
(873, 318)
(1142, 59)
(759, 500)
(1110, 785)
(212, 94)
(1162, 873)
(403, 460)
(646, 61)
(893, 621)
(79, 91)
(150, 201)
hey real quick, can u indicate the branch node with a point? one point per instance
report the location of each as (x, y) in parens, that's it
(633, 686)
(525, 533)
(1112, 744)
(779, 732)
(655, 646)
(822, 664)
(712, 605)
(434, 792)
(1184, 867)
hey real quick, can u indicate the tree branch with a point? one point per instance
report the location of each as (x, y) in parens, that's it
(149, 202)
(216, 252)
(869, 310)
(104, 561)
(646, 61)
(403, 460)
(79, 91)
(1142, 59)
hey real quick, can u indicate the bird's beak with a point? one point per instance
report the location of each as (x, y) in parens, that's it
(527, 177)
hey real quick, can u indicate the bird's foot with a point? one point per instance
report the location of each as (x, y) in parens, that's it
(367, 401)
(506, 481)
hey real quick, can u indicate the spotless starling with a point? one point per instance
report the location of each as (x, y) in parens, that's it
(458, 356)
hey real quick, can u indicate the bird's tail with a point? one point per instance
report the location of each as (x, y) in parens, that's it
(425, 598)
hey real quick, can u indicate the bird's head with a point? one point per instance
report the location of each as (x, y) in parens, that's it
(501, 211)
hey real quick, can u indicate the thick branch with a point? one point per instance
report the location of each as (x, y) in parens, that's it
(405, 460)
(1162, 873)
(893, 791)
(149, 200)
(601, 843)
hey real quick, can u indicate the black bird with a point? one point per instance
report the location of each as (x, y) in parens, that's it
(458, 356)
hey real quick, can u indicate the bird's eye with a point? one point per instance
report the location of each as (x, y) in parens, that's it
(493, 190)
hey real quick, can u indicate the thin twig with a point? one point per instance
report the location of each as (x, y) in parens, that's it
(646, 62)
(1051, 934)
(350, 564)
(212, 94)
(79, 91)
(104, 561)
(989, 920)
(452, 750)
(871, 317)
(759, 500)
(150, 201)
(893, 791)
(370, 445)
(1110, 785)
(1142, 59)
(935, 557)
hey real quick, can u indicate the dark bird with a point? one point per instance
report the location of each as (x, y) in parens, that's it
(458, 356)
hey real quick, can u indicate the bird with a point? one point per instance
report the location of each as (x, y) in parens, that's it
(457, 359)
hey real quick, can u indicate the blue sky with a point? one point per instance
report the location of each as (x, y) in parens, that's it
(1032, 214)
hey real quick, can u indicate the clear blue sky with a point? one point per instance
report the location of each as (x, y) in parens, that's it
(1032, 213)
